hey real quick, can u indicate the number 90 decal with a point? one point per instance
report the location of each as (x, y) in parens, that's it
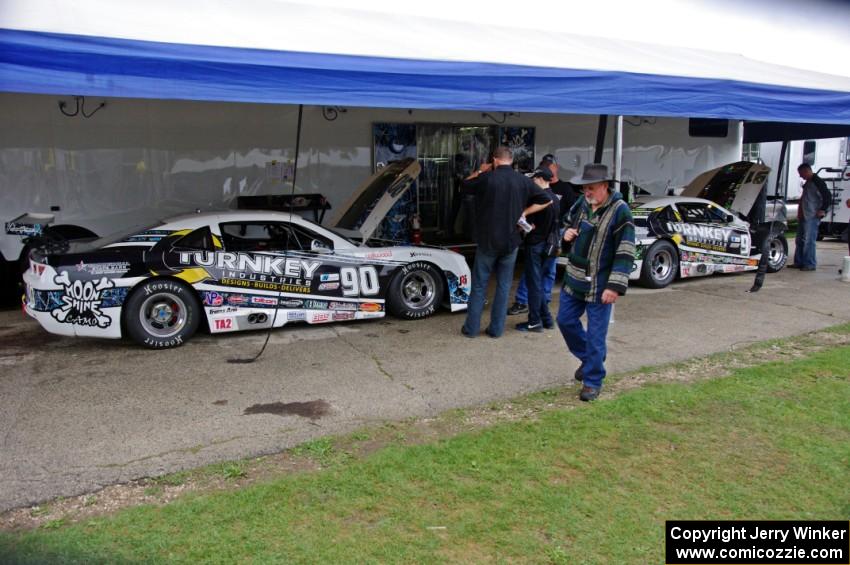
(361, 281)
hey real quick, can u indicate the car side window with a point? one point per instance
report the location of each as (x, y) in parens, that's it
(199, 240)
(717, 215)
(258, 236)
(701, 213)
(306, 237)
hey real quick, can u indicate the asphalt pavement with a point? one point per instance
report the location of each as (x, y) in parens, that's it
(78, 414)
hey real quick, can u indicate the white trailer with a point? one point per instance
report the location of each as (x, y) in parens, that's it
(135, 161)
(829, 153)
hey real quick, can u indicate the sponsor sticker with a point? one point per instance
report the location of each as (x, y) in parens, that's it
(319, 317)
(213, 299)
(379, 254)
(111, 268)
(265, 300)
(14, 228)
(226, 310)
(370, 307)
(296, 316)
(291, 303)
(223, 325)
(339, 316)
(342, 306)
(329, 277)
(237, 299)
(315, 305)
(329, 286)
(81, 302)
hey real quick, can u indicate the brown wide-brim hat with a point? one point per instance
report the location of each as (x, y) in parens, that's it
(594, 172)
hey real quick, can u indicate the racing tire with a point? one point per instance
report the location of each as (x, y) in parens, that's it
(415, 291)
(161, 314)
(660, 265)
(777, 254)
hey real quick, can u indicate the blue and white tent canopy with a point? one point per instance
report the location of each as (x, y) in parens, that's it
(285, 52)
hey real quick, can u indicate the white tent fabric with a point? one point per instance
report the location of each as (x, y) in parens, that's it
(289, 52)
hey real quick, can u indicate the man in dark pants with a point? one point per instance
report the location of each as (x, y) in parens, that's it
(501, 196)
(814, 203)
(602, 234)
(537, 258)
(567, 196)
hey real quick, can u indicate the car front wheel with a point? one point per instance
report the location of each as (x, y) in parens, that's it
(161, 314)
(415, 291)
(660, 265)
(777, 251)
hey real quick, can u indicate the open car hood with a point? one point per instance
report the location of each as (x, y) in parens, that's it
(373, 199)
(734, 186)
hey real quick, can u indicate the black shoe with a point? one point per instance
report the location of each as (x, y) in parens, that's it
(794, 266)
(517, 308)
(588, 393)
(526, 327)
(491, 334)
(548, 325)
(807, 268)
(578, 374)
(466, 333)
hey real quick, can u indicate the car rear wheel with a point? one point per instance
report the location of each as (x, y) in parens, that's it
(161, 314)
(660, 265)
(415, 291)
(777, 251)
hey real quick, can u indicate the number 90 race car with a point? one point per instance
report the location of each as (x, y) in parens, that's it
(241, 270)
(694, 234)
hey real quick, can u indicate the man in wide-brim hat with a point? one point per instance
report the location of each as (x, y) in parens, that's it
(602, 233)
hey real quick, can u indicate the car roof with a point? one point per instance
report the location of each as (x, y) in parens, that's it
(196, 220)
(659, 201)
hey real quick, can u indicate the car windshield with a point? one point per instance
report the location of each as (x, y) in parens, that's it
(345, 234)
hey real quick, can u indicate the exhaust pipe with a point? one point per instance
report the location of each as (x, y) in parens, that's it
(257, 318)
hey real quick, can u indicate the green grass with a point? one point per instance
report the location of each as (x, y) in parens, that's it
(588, 485)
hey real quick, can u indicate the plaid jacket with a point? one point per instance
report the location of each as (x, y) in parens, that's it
(603, 254)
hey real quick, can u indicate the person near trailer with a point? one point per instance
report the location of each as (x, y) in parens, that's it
(502, 196)
(602, 236)
(814, 203)
(567, 196)
(538, 260)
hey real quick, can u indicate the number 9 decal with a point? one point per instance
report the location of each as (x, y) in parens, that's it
(362, 281)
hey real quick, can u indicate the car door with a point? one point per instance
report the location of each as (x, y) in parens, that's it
(313, 283)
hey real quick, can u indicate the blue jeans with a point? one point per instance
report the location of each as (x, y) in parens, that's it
(486, 263)
(805, 252)
(589, 347)
(538, 306)
(550, 267)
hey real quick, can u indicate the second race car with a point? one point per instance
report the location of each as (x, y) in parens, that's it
(694, 234)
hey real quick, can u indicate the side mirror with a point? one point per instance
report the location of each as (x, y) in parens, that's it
(317, 246)
(730, 218)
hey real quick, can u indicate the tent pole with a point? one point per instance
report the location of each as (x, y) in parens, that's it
(600, 139)
(618, 152)
(781, 171)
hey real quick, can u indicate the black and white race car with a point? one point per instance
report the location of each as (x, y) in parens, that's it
(704, 230)
(242, 270)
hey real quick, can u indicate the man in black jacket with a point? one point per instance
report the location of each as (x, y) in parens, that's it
(502, 196)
